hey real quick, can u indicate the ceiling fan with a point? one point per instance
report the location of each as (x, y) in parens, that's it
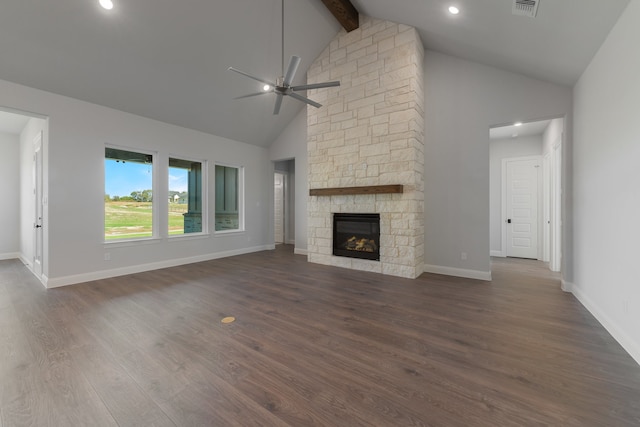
(282, 86)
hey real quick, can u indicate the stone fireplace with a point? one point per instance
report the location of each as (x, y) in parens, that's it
(369, 133)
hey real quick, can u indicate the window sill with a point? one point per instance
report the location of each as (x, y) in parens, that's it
(228, 232)
(188, 236)
(123, 243)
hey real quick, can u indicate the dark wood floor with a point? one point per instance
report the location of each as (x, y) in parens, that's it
(312, 345)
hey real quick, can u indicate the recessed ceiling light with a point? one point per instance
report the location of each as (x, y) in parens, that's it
(107, 4)
(517, 124)
(454, 10)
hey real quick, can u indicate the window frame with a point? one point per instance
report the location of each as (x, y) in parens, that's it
(154, 202)
(240, 199)
(203, 196)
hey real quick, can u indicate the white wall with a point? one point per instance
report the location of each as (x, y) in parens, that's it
(607, 183)
(292, 144)
(503, 149)
(463, 99)
(74, 185)
(10, 197)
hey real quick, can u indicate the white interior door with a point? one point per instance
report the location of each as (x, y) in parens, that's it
(38, 220)
(278, 203)
(522, 207)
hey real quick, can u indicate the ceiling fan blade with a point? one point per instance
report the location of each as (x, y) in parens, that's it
(291, 71)
(253, 94)
(305, 100)
(276, 108)
(251, 77)
(316, 85)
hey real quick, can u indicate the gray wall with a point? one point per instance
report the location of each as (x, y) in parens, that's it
(463, 100)
(607, 183)
(10, 197)
(74, 187)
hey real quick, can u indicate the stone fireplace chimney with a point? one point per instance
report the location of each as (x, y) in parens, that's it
(369, 132)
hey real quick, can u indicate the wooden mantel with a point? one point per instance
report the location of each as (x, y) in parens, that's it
(370, 189)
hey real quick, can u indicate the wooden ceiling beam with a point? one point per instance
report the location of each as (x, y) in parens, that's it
(345, 13)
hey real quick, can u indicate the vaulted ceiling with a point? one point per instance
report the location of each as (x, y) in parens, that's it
(167, 60)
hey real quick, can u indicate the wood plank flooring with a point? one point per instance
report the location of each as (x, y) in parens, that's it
(312, 346)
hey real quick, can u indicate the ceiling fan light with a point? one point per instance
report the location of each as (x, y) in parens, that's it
(266, 88)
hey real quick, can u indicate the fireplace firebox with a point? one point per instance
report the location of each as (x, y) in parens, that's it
(356, 235)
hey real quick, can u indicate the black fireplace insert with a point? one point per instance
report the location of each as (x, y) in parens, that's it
(356, 235)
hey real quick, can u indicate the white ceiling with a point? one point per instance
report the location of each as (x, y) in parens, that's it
(12, 123)
(526, 129)
(168, 60)
(555, 46)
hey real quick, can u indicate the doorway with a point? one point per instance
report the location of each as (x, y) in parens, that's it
(525, 221)
(278, 207)
(284, 202)
(28, 203)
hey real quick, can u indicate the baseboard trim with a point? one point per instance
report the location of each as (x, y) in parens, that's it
(630, 346)
(24, 260)
(566, 286)
(9, 255)
(499, 254)
(458, 272)
(57, 282)
(300, 251)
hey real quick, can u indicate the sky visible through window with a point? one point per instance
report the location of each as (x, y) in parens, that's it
(124, 178)
(178, 179)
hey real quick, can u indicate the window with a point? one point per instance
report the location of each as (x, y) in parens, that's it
(228, 198)
(128, 199)
(185, 196)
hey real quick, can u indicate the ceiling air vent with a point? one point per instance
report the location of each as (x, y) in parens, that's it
(525, 8)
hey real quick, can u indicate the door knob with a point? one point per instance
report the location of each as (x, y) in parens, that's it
(509, 221)
(38, 226)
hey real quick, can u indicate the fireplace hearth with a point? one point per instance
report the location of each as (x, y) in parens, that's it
(356, 236)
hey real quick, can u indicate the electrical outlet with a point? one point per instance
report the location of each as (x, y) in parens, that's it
(107, 256)
(463, 256)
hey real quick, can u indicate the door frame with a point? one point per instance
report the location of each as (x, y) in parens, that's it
(555, 252)
(546, 207)
(504, 214)
(285, 205)
(39, 205)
